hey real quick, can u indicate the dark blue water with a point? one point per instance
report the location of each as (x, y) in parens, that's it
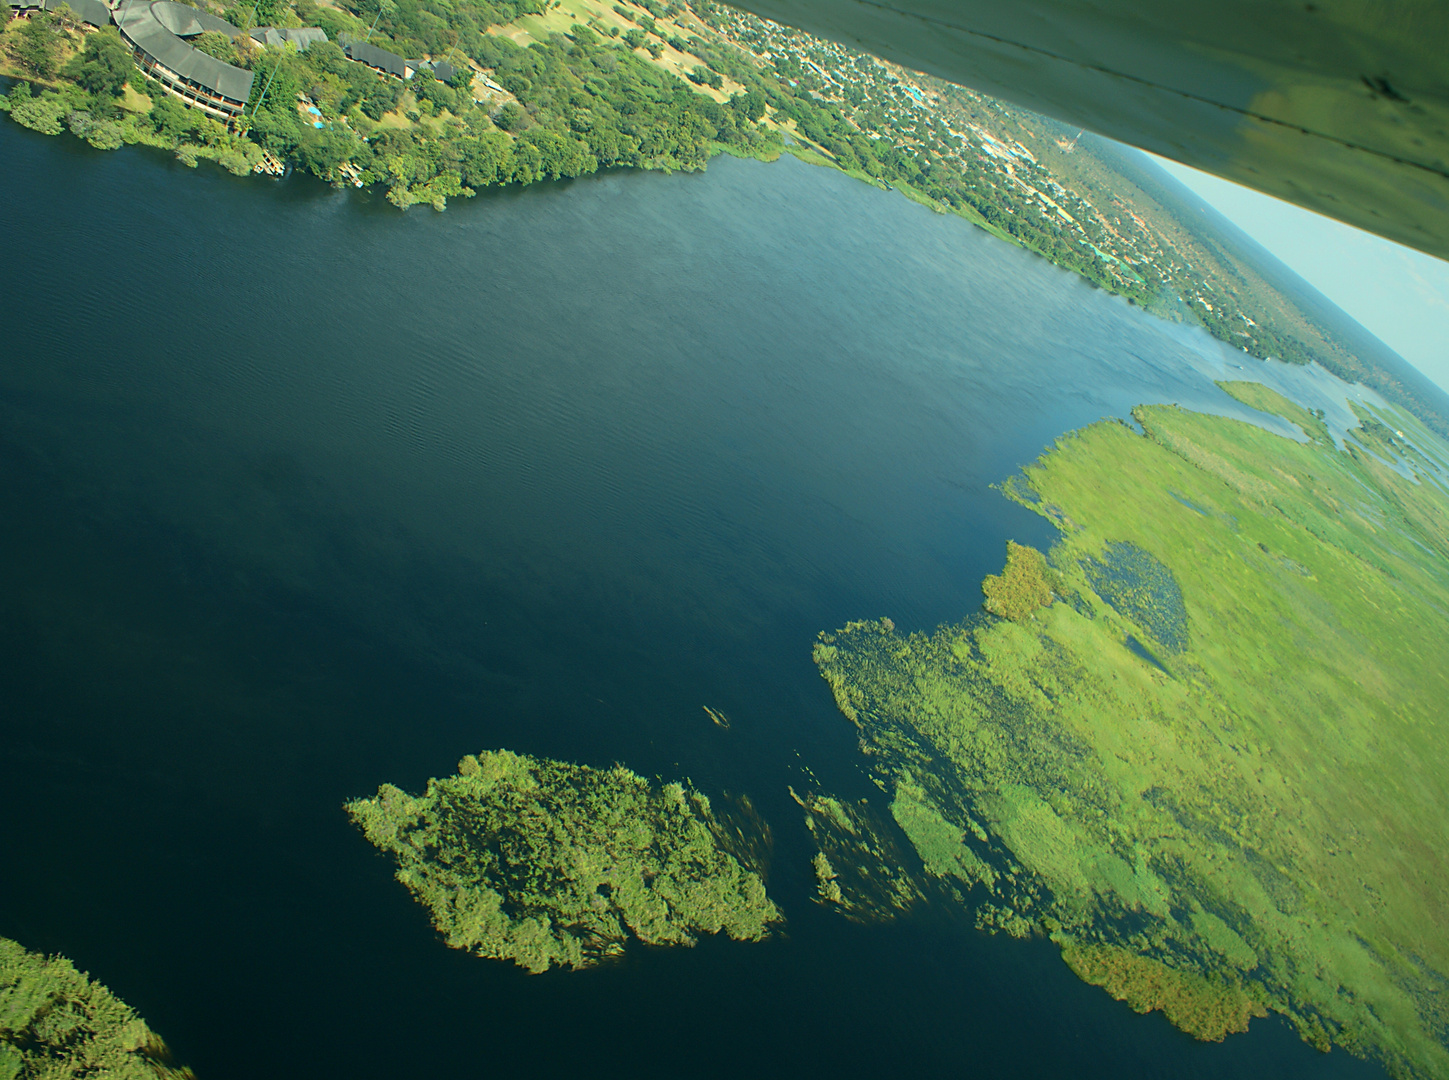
(299, 495)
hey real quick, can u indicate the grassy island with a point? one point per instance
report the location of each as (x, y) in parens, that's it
(1211, 764)
(57, 1023)
(551, 864)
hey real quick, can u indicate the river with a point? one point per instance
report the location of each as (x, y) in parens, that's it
(300, 494)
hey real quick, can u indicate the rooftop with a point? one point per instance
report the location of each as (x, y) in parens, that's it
(157, 28)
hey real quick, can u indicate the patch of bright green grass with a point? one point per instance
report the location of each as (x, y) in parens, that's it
(1265, 399)
(1257, 821)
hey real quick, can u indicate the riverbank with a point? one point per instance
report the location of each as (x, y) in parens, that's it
(564, 89)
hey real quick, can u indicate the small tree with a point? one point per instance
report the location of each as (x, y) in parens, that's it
(510, 118)
(249, 50)
(381, 96)
(105, 66)
(703, 76)
(215, 43)
(750, 106)
(173, 121)
(243, 16)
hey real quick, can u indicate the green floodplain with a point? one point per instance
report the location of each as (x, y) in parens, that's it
(1200, 743)
(550, 864)
(57, 1023)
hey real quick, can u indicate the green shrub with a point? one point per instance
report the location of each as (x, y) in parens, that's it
(1022, 588)
(101, 133)
(45, 114)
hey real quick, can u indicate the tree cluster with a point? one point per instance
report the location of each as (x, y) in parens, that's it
(547, 863)
(39, 44)
(582, 103)
(1022, 588)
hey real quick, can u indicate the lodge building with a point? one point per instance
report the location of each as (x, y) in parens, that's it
(301, 36)
(90, 13)
(156, 31)
(377, 59)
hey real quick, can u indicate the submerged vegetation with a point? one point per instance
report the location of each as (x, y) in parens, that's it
(858, 867)
(57, 1023)
(1141, 590)
(551, 864)
(1252, 819)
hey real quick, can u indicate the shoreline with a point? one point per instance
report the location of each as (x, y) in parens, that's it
(580, 87)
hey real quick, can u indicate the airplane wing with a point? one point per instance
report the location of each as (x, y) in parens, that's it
(1341, 106)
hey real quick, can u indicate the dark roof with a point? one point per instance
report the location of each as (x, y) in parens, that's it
(381, 59)
(88, 11)
(186, 21)
(438, 69)
(301, 36)
(157, 28)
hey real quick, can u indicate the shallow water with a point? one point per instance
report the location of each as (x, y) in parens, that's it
(301, 495)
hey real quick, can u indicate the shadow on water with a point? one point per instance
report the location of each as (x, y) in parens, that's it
(302, 495)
